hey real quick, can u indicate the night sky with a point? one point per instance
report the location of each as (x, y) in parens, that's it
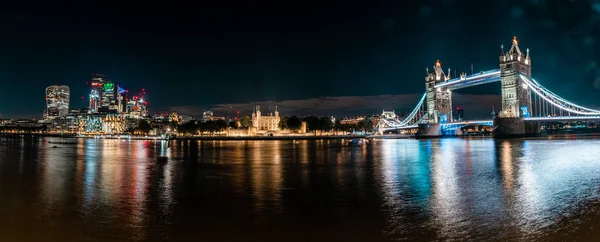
(192, 57)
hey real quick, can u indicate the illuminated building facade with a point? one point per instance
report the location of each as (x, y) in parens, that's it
(114, 124)
(269, 122)
(108, 99)
(174, 118)
(96, 86)
(352, 121)
(137, 108)
(57, 101)
(102, 124)
(90, 124)
(63, 125)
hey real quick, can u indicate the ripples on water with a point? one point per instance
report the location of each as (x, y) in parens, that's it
(441, 189)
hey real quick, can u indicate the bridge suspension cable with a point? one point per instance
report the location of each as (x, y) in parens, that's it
(544, 108)
(415, 112)
(554, 96)
(417, 115)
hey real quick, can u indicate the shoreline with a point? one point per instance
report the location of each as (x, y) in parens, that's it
(312, 137)
(317, 137)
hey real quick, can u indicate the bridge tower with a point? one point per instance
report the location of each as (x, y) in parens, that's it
(516, 96)
(439, 100)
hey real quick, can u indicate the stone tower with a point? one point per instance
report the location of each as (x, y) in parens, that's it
(439, 100)
(516, 96)
(256, 115)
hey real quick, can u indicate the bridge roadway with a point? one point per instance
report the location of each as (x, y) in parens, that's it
(491, 122)
(445, 125)
(481, 78)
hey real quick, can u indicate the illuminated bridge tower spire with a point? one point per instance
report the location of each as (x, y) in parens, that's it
(516, 96)
(439, 100)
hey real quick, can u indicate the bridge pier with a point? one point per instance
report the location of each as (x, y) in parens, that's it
(515, 128)
(429, 131)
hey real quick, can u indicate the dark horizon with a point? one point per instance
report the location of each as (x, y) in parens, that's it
(198, 58)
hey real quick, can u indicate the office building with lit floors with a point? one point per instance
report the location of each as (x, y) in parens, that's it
(102, 124)
(57, 101)
(96, 86)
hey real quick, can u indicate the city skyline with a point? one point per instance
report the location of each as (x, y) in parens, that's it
(285, 56)
(344, 106)
(389, 120)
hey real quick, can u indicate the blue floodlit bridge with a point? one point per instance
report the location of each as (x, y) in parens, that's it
(523, 98)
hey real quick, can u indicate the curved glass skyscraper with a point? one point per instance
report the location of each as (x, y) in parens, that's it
(57, 101)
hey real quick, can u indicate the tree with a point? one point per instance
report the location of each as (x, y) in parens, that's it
(246, 121)
(188, 128)
(173, 124)
(283, 123)
(366, 125)
(213, 126)
(233, 124)
(338, 126)
(325, 124)
(294, 123)
(220, 125)
(313, 123)
(143, 127)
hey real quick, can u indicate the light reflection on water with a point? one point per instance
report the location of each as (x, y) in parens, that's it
(440, 189)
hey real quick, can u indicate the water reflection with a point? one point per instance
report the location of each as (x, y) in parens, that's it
(92, 159)
(440, 189)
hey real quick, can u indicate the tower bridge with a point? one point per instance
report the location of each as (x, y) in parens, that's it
(525, 101)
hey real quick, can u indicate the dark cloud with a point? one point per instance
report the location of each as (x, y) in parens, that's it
(475, 106)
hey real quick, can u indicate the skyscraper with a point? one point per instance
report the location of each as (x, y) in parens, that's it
(105, 96)
(57, 101)
(96, 87)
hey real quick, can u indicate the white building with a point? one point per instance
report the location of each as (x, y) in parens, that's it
(269, 122)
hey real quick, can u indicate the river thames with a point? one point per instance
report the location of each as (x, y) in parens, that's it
(542, 189)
